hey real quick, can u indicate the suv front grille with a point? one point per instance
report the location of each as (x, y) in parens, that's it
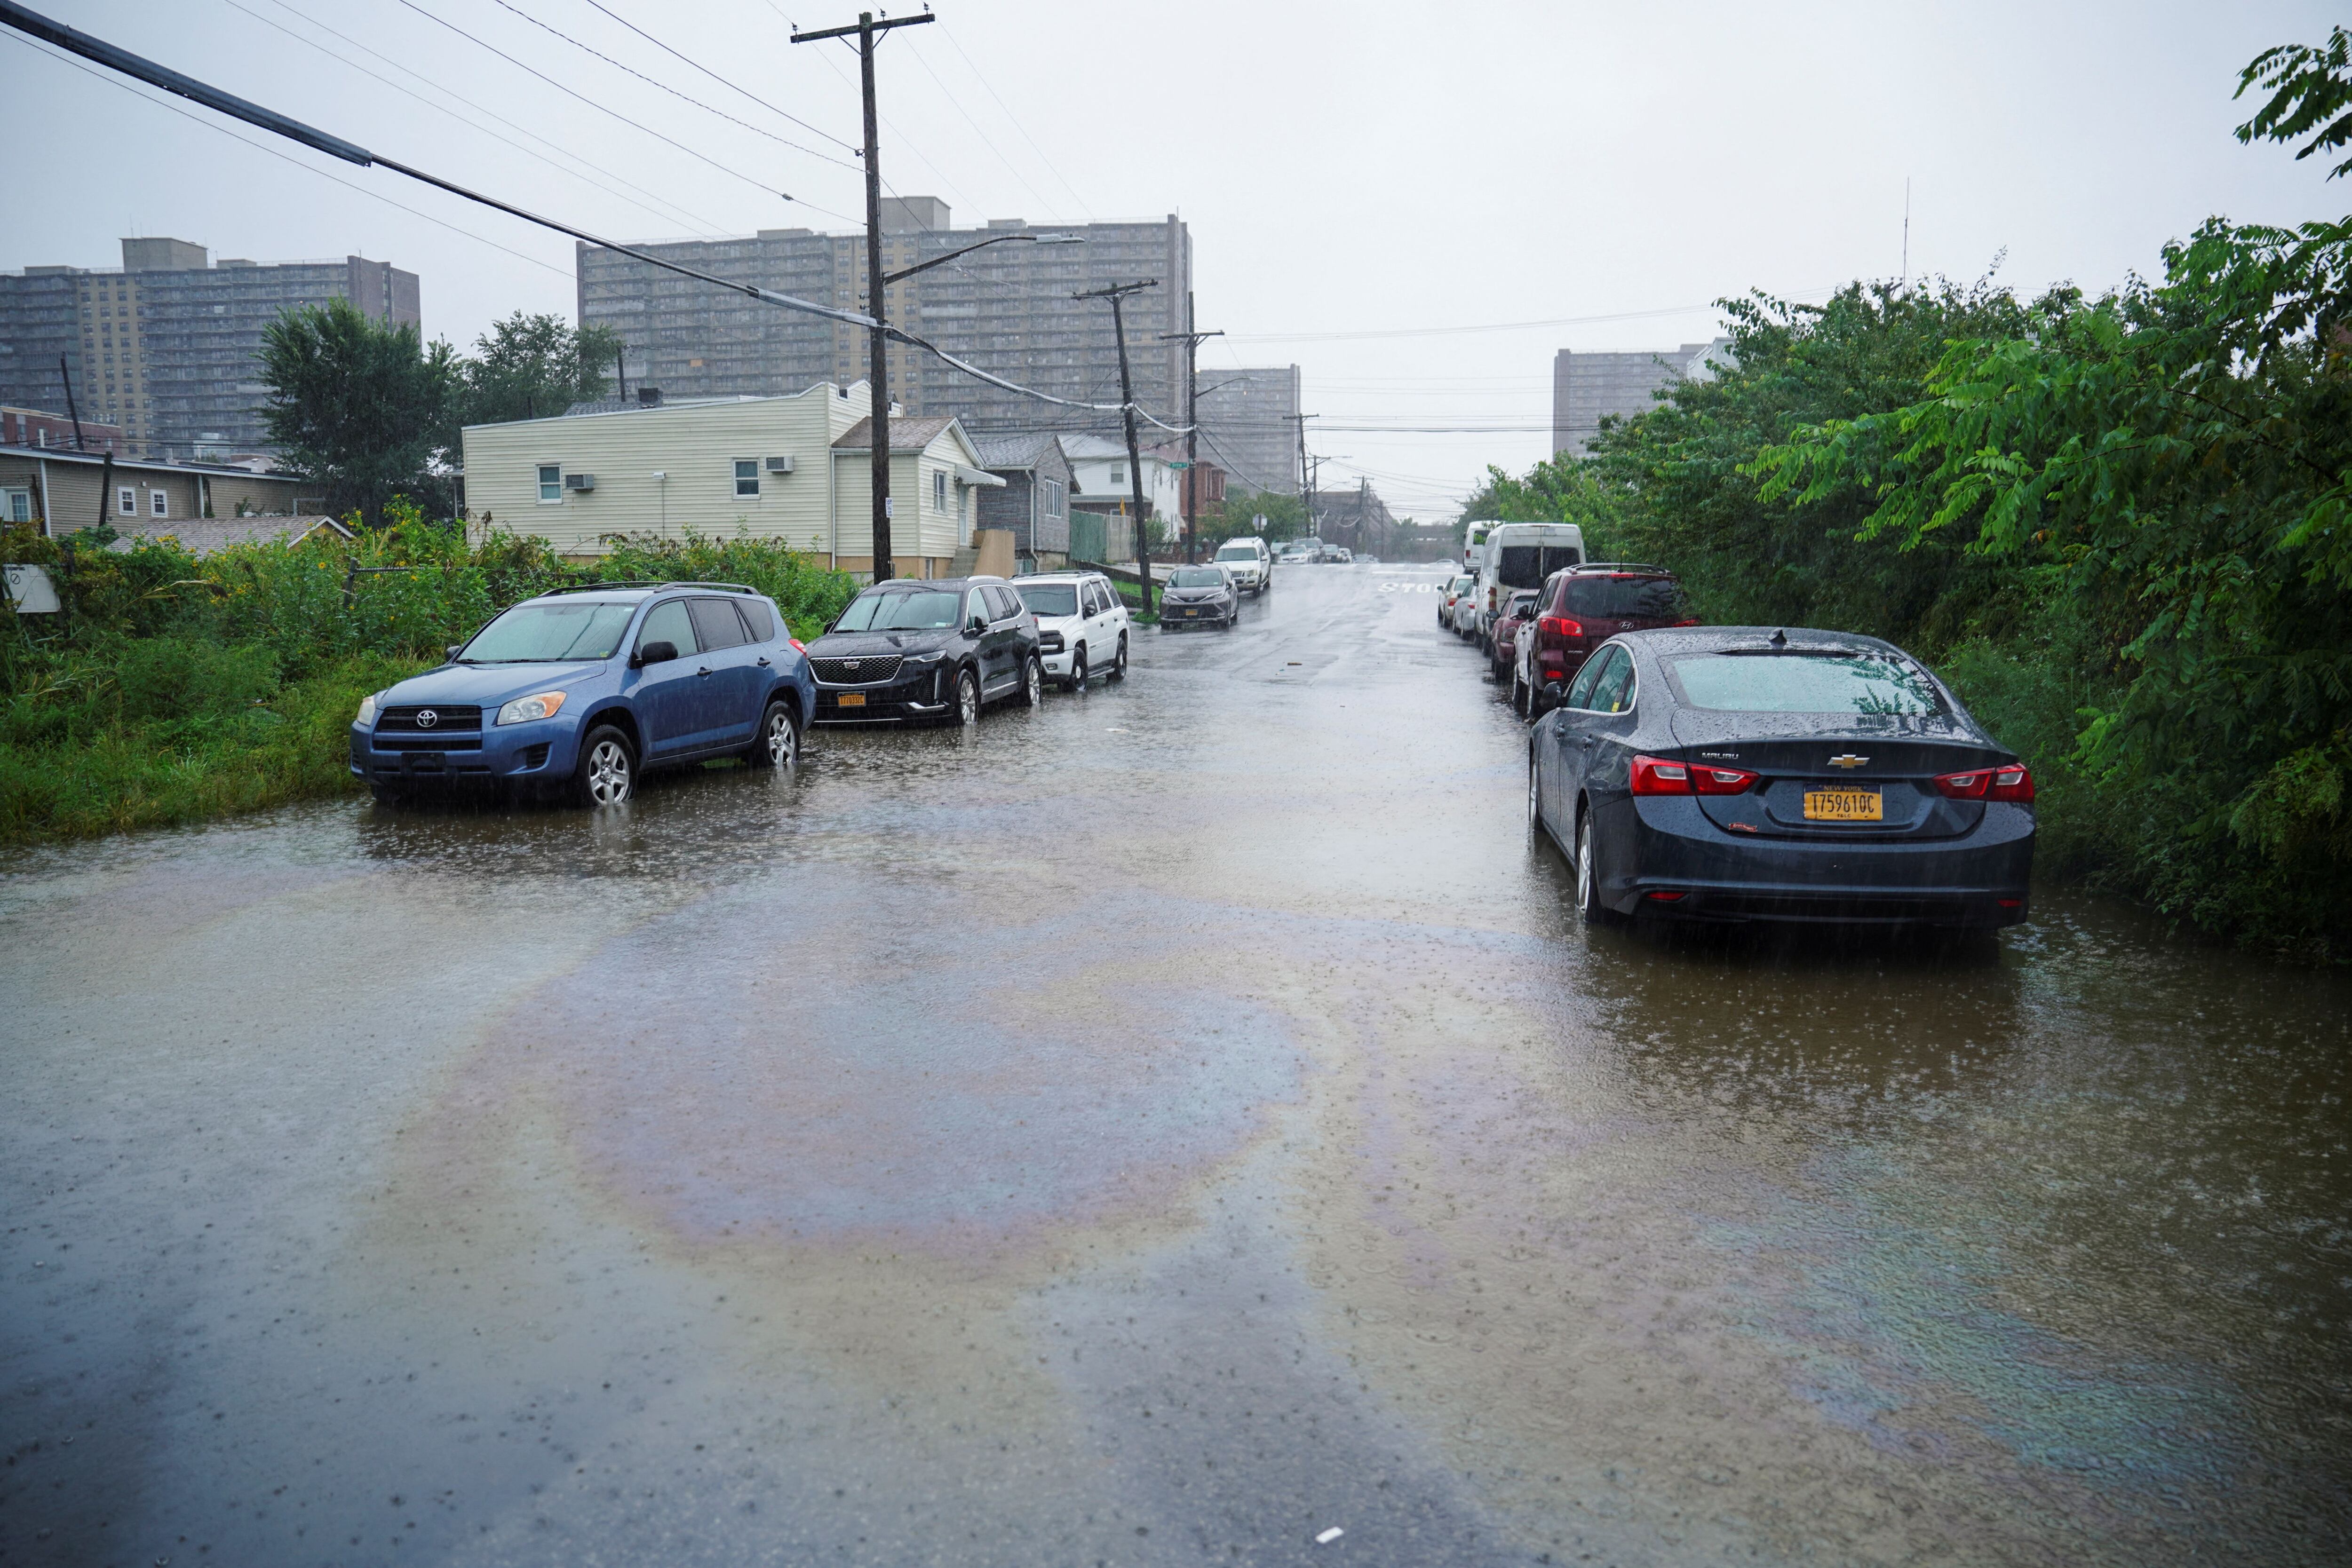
(867, 670)
(410, 720)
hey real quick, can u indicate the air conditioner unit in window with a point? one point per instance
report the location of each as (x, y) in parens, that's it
(780, 465)
(580, 481)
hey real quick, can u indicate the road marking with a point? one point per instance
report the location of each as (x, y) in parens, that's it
(1329, 1536)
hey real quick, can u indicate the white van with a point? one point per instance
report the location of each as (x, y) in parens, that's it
(1521, 555)
(1473, 544)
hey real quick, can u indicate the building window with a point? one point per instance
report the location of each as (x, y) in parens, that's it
(159, 503)
(939, 490)
(747, 476)
(126, 501)
(1118, 473)
(1053, 497)
(16, 505)
(551, 482)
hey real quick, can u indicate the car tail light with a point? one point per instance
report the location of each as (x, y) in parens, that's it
(1560, 626)
(1656, 776)
(2014, 783)
(1667, 897)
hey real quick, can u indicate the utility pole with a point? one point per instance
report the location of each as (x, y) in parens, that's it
(1306, 472)
(1192, 341)
(71, 412)
(866, 32)
(620, 375)
(1116, 294)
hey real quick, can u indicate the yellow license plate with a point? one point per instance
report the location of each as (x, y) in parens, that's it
(858, 699)
(1845, 806)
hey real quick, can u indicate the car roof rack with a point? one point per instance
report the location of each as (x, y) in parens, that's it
(1620, 566)
(688, 582)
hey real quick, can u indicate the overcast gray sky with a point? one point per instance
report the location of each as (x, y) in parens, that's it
(1349, 173)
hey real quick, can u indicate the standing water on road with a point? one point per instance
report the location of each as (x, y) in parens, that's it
(1169, 1125)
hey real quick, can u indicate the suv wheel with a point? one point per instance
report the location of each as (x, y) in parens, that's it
(1032, 681)
(1118, 664)
(1519, 703)
(967, 697)
(1534, 794)
(607, 771)
(1078, 681)
(778, 744)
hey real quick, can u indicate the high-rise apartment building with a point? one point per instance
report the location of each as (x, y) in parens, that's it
(1007, 308)
(1249, 427)
(165, 346)
(1587, 387)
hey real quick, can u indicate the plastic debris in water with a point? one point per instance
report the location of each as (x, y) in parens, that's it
(1329, 1536)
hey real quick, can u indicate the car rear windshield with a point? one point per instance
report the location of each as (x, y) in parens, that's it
(1526, 566)
(1051, 598)
(1807, 683)
(1626, 599)
(899, 610)
(1195, 577)
(544, 633)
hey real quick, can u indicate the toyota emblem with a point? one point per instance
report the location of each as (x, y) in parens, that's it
(427, 718)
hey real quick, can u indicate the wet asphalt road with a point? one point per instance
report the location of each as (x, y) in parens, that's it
(1154, 1130)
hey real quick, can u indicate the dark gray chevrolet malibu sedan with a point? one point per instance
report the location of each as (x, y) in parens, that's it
(1749, 773)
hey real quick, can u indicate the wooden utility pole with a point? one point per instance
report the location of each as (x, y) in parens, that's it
(1192, 340)
(1116, 293)
(866, 32)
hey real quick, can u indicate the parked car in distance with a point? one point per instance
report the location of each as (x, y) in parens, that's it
(1082, 626)
(1200, 596)
(1295, 555)
(1742, 773)
(1521, 555)
(1450, 590)
(1582, 607)
(582, 690)
(1503, 644)
(910, 650)
(1461, 616)
(1252, 564)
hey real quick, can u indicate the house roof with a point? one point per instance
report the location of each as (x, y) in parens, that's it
(203, 535)
(1023, 451)
(121, 464)
(907, 432)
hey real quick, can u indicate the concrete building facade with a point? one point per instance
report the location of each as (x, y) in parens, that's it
(165, 345)
(1586, 388)
(1007, 308)
(1249, 427)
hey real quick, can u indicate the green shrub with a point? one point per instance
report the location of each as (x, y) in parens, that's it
(179, 678)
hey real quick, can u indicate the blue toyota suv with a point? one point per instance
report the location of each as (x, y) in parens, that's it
(581, 690)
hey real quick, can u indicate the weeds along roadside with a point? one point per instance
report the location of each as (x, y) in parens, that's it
(175, 687)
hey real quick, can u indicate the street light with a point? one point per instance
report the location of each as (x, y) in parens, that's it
(994, 239)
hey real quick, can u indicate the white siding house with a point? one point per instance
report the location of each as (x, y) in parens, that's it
(1099, 482)
(795, 468)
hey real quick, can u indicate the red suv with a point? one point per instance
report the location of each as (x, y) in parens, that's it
(1581, 608)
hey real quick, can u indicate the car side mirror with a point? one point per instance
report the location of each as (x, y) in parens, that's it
(452, 650)
(978, 625)
(655, 653)
(1554, 691)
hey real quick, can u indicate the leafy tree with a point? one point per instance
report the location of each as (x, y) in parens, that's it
(534, 367)
(358, 405)
(1286, 517)
(2311, 91)
(1560, 489)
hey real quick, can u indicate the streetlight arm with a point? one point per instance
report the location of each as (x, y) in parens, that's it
(983, 244)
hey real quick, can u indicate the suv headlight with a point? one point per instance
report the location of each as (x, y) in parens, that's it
(366, 719)
(538, 705)
(933, 657)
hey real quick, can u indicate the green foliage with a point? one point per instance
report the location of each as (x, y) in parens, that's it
(191, 686)
(534, 367)
(358, 405)
(1286, 518)
(1558, 490)
(2311, 94)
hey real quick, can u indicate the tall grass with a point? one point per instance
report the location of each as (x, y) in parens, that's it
(179, 687)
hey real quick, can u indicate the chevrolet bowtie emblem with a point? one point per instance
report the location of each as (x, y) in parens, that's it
(1848, 760)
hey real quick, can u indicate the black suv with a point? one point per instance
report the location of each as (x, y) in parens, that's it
(907, 650)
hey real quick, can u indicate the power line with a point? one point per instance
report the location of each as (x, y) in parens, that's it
(443, 108)
(615, 113)
(683, 98)
(1501, 326)
(957, 105)
(949, 35)
(722, 82)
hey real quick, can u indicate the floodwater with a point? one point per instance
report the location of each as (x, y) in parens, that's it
(1163, 1128)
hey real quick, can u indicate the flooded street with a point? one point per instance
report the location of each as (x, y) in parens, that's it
(1159, 1129)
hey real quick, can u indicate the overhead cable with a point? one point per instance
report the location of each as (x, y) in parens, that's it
(649, 131)
(948, 33)
(852, 147)
(670, 216)
(103, 53)
(684, 97)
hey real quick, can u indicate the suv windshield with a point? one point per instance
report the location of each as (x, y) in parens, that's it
(1238, 552)
(546, 633)
(1050, 598)
(1807, 683)
(1626, 597)
(1195, 577)
(902, 610)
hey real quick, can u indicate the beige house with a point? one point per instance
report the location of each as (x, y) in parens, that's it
(64, 491)
(795, 468)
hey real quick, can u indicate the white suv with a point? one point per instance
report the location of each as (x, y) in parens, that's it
(1249, 560)
(1082, 624)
